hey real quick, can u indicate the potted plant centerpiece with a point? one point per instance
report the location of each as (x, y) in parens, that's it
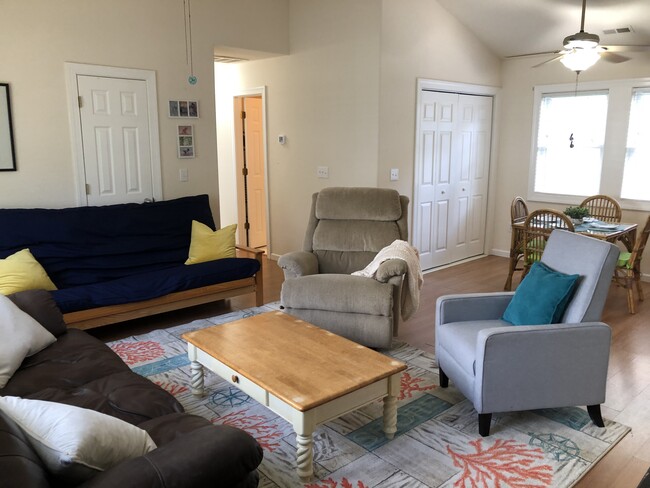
(576, 214)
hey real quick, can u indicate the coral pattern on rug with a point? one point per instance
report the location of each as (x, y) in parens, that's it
(266, 434)
(437, 443)
(138, 352)
(409, 385)
(504, 463)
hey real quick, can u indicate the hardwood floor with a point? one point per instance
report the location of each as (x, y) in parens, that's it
(628, 384)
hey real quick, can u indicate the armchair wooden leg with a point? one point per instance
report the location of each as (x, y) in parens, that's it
(596, 417)
(484, 420)
(444, 380)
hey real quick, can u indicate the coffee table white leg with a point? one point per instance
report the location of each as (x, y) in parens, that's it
(304, 425)
(197, 380)
(390, 406)
(305, 456)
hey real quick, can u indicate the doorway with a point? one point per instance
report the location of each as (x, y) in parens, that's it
(453, 148)
(114, 125)
(250, 160)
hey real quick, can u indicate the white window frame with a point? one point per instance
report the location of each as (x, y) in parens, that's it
(618, 116)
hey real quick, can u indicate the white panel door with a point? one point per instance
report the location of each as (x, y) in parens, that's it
(452, 169)
(116, 140)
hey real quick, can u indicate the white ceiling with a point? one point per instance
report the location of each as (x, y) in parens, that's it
(515, 27)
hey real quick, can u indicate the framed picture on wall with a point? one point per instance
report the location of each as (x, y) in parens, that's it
(184, 109)
(7, 150)
(185, 140)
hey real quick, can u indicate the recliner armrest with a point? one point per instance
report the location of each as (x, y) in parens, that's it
(548, 365)
(298, 263)
(473, 306)
(390, 268)
(214, 455)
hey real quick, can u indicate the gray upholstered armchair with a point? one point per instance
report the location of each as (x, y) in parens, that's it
(347, 228)
(501, 367)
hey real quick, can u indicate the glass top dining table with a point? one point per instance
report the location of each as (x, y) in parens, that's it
(625, 233)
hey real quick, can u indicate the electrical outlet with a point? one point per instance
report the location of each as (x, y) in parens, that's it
(394, 174)
(323, 172)
(183, 174)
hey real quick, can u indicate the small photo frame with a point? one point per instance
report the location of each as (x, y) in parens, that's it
(185, 141)
(184, 109)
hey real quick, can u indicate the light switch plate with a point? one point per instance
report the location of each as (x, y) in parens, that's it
(394, 174)
(323, 172)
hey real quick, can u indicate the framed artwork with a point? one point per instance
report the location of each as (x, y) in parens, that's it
(185, 140)
(7, 150)
(184, 108)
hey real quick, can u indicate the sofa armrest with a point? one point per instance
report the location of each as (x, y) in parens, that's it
(391, 268)
(259, 276)
(250, 250)
(547, 365)
(214, 455)
(298, 263)
(473, 306)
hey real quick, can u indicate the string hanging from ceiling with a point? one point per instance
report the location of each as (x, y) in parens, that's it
(187, 20)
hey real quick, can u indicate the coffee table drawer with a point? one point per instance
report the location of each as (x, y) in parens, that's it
(233, 377)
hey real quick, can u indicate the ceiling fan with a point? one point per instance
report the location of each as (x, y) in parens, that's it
(582, 49)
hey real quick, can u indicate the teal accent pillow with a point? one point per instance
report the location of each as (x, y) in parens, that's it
(541, 298)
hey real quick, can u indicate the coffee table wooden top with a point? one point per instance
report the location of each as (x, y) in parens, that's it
(303, 365)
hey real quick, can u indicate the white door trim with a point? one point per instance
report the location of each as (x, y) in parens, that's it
(466, 89)
(73, 70)
(248, 92)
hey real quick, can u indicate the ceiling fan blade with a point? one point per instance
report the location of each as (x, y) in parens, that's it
(621, 49)
(554, 58)
(532, 54)
(613, 57)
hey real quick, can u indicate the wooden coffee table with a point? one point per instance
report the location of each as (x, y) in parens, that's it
(305, 374)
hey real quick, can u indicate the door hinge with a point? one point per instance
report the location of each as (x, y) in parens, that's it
(80, 101)
(87, 189)
(247, 226)
(244, 171)
(243, 114)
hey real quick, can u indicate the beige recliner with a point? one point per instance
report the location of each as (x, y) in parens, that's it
(347, 228)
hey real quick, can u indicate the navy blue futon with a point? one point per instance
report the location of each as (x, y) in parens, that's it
(116, 254)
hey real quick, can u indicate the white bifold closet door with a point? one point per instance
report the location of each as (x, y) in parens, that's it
(452, 168)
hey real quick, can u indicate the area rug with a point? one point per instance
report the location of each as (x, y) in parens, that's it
(437, 443)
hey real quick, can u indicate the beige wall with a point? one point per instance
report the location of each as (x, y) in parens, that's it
(324, 98)
(518, 81)
(38, 36)
(345, 97)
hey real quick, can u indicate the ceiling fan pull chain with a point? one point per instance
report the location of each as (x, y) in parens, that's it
(575, 94)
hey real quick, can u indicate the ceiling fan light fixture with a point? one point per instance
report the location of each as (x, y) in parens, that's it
(581, 40)
(580, 59)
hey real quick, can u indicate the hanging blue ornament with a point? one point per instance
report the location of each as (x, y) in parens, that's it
(192, 80)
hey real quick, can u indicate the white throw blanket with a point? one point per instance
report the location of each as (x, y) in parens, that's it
(413, 280)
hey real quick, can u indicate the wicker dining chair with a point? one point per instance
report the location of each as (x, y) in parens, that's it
(603, 208)
(628, 268)
(518, 213)
(537, 227)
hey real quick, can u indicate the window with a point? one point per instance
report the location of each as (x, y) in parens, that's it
(570, 142)
(608, 125)
(636, 174)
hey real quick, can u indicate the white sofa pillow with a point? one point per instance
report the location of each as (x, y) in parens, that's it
(20, 337)
(76, 443)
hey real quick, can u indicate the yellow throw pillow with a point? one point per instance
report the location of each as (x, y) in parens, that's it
(20, 272)
(208, 245)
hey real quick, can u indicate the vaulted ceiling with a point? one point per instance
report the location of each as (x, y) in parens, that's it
(515, 27)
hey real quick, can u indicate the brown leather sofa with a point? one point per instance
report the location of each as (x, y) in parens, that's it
(80, 370)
